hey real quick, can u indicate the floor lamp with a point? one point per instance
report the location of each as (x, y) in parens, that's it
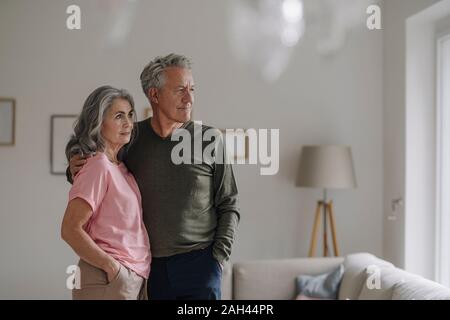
(326, 167)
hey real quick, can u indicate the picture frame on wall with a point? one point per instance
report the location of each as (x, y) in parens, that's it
(61, 129)
(7, 121)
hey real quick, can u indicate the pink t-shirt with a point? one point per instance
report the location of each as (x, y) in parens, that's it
(116, 225)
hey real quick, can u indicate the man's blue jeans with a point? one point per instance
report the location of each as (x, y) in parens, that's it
(194, 275)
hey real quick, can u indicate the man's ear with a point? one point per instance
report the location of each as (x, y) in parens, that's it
(153, 95)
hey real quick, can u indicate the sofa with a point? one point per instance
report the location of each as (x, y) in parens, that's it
(365, 277)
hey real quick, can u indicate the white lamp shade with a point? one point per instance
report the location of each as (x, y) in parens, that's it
(327, 167)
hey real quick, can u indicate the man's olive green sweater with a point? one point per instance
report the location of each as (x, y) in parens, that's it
(185, 206)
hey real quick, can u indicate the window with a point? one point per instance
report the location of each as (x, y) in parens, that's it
(443, 162)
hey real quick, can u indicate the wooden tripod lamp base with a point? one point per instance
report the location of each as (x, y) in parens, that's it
(327, 210)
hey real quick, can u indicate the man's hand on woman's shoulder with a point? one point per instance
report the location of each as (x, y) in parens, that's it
(76, 163)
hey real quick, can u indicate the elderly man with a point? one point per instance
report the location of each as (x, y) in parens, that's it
(190, 209)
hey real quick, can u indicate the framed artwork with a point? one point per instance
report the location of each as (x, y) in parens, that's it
(61, 129)
(237, 144)
(7, 121)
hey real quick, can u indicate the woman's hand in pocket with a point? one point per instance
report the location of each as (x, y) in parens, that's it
(112, 270)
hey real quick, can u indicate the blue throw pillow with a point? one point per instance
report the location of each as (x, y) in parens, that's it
(323, 286)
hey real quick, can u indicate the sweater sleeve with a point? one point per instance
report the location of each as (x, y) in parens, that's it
(226, 204)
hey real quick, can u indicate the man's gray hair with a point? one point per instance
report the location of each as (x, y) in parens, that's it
(87, 138)
(153, 77)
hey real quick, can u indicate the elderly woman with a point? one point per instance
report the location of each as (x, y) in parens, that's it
(103, 220)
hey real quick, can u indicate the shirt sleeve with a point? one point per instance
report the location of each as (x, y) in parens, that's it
(91, 183)
(226, 203)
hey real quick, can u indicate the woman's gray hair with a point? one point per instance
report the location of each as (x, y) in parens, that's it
(87, 138)
(153, 77)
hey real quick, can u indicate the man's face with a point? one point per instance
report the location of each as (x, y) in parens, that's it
(176, 97)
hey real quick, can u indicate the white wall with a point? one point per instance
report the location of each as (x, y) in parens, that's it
(51, 70)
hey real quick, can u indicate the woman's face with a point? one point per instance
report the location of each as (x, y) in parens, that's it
(118, 123)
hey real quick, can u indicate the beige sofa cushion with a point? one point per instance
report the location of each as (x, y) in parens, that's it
(388, 278)
(227, 282)
(275, 279)
(420, 289)
(355, 273)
